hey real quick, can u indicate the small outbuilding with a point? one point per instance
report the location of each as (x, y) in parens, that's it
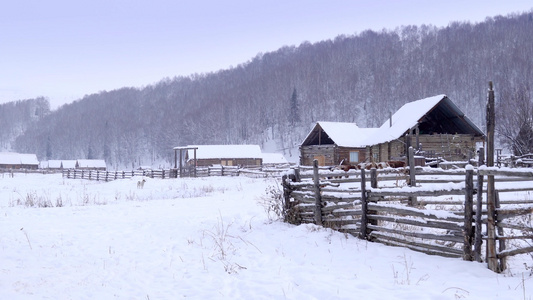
(333, 143)
(225, 155)
(14, 161)
(434, 127)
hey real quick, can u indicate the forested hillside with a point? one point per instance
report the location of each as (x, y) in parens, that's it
(17, 116)
(278, 95)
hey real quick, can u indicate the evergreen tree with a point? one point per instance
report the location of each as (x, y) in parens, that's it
(48, 149)
(294, 113)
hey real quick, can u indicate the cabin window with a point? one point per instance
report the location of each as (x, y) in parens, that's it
(354, 156)
(226, 162)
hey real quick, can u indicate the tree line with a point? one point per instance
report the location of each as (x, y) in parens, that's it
(278, 95)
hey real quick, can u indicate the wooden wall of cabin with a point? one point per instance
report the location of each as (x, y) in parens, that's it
(325, 154)
(344, 154)
(452, 147)
(393, 150)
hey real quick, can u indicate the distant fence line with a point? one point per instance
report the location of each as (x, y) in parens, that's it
(413, 208)
(100, 175)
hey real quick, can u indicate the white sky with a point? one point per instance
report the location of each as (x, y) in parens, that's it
(64, 50)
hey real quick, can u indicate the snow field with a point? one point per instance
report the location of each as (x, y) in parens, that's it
(205, 238)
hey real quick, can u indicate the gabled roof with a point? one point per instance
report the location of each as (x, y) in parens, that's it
(225, 151)
(437, 114)
(68, 164)
(12, 158)
(339, 133)
(54, 164)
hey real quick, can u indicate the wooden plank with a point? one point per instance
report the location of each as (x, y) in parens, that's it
(339, 222)
(515, 252)
(413, 212)
(346, 213)
(429, 236)
(503, 214)
(344, 206)
(447, 225)
(407, 192)
(494, 171)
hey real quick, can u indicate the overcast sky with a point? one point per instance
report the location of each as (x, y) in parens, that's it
(66, 49)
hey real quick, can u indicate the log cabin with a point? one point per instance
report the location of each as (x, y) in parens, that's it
(434, 127)
(333, 143)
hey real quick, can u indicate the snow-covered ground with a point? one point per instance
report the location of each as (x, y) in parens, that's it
(206, 238)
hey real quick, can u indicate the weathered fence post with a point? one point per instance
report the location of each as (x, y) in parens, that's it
(318, 198)
(364, 206)
(412, 176)
(501, 242)
(373, 178)
(492, 258)
(479, 209)
(374, 185)
(286, 198)
(468, 232)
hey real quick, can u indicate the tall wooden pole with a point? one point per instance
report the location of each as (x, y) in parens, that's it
(492, 259)
(479, 208)
(469, 205)
(318, 197)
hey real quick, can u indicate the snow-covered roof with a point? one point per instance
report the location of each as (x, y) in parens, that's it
(225, 151)
(413, 113)
(404, 119)
(90, 163)
(54, 164)
(407, 117)
(274, 158)
(345, 134)
(68, 164)
(12, 158)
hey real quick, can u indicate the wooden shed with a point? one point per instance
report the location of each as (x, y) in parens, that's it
(333, 143)
(225, 155)
(434, 126)
(12, 160)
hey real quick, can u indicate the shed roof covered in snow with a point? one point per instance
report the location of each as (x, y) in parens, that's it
(12, 158)
(437, 114)
(340, 133)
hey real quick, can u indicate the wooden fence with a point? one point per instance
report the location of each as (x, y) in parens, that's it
(416, 209)
(174, 173)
